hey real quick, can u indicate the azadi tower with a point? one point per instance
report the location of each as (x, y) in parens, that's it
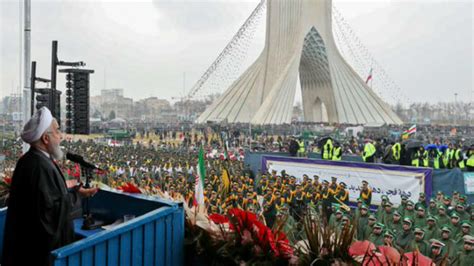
(299, 42)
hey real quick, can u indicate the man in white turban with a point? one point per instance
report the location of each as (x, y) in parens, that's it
(38, 217)
(43, 122)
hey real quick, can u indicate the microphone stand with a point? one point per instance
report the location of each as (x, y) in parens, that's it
(89, 222)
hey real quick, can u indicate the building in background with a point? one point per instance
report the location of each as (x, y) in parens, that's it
(112, 104)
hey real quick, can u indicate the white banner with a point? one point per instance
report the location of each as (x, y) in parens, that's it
(469, 183)
(392, 183)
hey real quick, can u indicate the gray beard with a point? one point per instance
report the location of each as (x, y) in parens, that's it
(56, 152)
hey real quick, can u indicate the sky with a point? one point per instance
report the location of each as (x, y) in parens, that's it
(162, 47)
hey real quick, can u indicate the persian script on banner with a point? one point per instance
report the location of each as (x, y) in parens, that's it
(469, 183)
(383, 180)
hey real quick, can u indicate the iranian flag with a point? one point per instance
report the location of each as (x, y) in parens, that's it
(201, 175)
(369, 77)
(406, 134)
(224, 155)
(411, 130)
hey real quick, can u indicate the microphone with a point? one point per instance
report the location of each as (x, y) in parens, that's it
(80, 160)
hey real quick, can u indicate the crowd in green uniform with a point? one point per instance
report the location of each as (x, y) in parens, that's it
(436, 227)
(442, 226)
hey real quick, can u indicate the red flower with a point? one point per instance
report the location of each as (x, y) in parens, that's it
(375, 259)
(246, 238)
(101, 172)
(130, 188)
(283, 245)
(77, 171)
(250, 231)
(8, 180)
(218, 218)
(416, 258)
(360, 248)
(265, 239)
(391, 253)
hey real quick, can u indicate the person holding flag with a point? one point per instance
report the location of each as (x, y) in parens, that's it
(225, 172)
(407, 133)
(225, 181)
(200, 177)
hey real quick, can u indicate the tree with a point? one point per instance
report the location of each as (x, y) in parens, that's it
(97, 114)
(400, 111)
(112, 115)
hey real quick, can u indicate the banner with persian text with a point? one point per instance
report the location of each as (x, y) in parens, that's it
(390, 180)
(469, 183)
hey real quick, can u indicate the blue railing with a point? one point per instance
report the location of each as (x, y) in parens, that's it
(155, 237)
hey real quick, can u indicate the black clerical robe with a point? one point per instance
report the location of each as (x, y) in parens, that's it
(38, 216)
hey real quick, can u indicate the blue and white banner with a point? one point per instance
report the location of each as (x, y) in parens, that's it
(469, 183)
(390, 180)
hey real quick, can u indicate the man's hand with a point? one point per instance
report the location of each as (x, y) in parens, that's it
(71, 183)
(87, 192)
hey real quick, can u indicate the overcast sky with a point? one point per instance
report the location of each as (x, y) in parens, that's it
(145, 46)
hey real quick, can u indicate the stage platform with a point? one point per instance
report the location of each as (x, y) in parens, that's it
(155, 236)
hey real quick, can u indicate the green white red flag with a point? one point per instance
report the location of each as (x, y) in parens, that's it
(200, 177)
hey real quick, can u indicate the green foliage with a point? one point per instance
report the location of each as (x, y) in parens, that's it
(326, 245)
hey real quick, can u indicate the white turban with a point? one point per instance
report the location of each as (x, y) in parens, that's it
(37, 125)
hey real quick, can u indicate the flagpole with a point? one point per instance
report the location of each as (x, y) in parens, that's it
(369, 78)
(25, 99)
(372, 79)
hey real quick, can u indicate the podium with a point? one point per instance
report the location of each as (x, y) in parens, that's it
(155, 236)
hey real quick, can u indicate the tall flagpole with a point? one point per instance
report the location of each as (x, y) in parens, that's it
(372, 79)
(27, 66)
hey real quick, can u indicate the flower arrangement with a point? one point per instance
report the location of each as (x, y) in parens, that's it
(325, 245)
(238, 238)
(5, 184)
(365, 253)
(129, 188)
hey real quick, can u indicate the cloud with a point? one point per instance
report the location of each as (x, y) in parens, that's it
(424, 46)
(145, 47)
(201, 17)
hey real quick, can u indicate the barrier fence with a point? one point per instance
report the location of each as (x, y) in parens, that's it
(445, 180)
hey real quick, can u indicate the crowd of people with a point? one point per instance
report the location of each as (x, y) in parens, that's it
(434, 146)
(437, 226)
(409, 152)
(167, 168)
